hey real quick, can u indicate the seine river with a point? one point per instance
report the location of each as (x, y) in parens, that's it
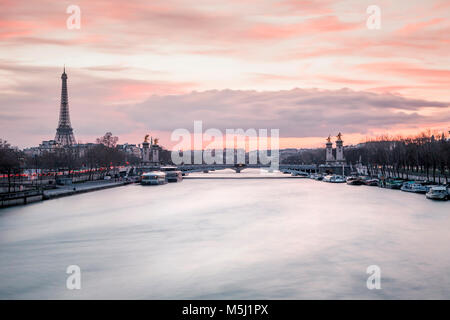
(228, 239)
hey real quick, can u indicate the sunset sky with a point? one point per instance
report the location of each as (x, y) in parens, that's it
(308, 68)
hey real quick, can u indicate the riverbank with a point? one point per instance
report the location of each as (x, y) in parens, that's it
(82, 188)
(22, 198)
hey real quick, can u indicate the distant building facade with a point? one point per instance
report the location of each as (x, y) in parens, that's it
(51, 146)
(130, 149)
(45, 146)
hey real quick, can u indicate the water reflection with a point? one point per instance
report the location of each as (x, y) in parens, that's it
(230, 239)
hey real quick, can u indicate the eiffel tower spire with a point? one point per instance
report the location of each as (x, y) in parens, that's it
(64, 132)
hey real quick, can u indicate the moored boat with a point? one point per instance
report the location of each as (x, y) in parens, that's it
(437, 193)
(172, 174)
(316, 176)
(392, 183)
(413, 187)
(368, 181)
(299, 174)
(153, 178)
(334, 179)
(354, 181)
(338, 179)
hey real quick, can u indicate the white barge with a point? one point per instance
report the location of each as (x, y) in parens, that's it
(154, 178)
(437, 193)
(172, 174)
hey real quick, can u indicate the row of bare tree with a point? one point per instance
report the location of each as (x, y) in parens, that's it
(426, 154)
(104, 154)
(10, 161)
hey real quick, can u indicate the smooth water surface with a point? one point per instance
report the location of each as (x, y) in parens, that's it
(228, 239)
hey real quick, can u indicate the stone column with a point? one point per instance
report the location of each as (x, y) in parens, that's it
(145, 152)
(339, 148)
(329, 151)
(155, 154)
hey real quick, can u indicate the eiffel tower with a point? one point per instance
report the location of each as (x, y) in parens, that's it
(64, 133)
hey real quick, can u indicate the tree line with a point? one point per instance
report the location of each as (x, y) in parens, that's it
(104, 154)
(426, 154)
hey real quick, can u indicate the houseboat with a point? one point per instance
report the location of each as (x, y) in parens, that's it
(316, 176)
(413, 187)
(299, 174)
(153, 178)
(437, 193)
(354, 181)
(334, 179)
(391, 183)
(368, 181)
(172, 174)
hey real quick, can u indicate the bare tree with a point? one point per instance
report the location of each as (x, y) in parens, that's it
(400, 156)
(9, 161)
(108, 140)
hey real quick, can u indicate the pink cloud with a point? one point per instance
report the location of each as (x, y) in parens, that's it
(346, 81)
(419, 26)
(310, 26)
(306, 6)
(132, 90)
(239, 44)
(406, 70)
(14, 28)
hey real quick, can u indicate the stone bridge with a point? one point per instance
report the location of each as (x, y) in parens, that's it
(288, 168)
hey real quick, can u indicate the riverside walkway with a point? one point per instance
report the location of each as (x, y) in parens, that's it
(72, 189)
